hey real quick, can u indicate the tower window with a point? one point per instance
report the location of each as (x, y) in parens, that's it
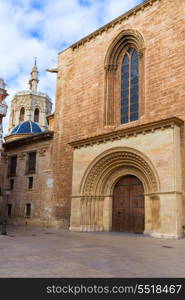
(22, 113)
(12, 165)
(28, 210)
(130, 87)
(30, 182)
(31, 162)
(36, 115)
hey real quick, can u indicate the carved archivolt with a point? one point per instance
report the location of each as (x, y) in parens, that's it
(93, 182)
(126, 37)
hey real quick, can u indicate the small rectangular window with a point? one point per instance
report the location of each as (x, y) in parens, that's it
(9, 210)
(30, 182)
(28, 210)
(11, 184)
(31, 162)
(12, 165)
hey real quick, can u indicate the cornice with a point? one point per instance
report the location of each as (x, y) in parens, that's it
(50, 117)
(114, 22)
(20, 94)
(126, 132)
(21, 142)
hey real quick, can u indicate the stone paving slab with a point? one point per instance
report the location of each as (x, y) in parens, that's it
(48, 252)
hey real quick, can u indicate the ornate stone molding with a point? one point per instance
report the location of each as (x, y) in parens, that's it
(22, 155)
(42, 151)
(4, 156)
(111, 68)
(29, 140)
(110, 163)
(127, 132)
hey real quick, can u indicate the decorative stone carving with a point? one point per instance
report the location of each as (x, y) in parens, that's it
(42, 151)
(4, 157)
(116, 160)
(150, 127)
(94, 184)
(111, 68)
(22, 155)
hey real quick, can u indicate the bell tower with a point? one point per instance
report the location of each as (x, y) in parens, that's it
(30, 105)
(33, 82)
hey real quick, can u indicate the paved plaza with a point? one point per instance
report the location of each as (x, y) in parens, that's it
(48, 252)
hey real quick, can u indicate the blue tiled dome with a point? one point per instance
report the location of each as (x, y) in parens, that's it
(27, 127)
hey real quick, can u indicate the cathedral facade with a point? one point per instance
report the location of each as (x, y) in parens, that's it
(112, 158)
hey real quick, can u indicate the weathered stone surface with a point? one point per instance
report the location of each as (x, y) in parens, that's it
(88, 109)
(80, 101)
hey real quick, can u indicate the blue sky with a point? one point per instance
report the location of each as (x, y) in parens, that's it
(42, 28)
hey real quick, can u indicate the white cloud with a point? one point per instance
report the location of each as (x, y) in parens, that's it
(42, 28)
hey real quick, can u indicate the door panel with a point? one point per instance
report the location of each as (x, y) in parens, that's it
(128, 205)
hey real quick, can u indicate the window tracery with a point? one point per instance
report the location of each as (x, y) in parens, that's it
(124, 74)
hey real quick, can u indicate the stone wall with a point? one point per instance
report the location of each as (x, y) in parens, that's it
(40, 196)
(154, 154)
(80, 98)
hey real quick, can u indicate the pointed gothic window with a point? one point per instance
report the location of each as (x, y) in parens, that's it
(22, 113)
(124, 79)
(36, 115)
(130, 87)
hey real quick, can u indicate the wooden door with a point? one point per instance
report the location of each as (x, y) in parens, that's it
(128, 205)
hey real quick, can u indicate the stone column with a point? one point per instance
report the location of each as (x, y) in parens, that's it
(76, 220)
(107, 213)
(148, 215)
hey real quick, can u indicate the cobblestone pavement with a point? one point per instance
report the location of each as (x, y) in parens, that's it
(47, 252)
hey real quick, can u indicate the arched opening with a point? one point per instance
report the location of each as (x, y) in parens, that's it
(22, 114)
(130, 86)
(124, 79)
(98, 190)
(128, 205)
(36, 115)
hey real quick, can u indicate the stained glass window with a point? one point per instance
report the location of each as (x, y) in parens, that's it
(130, 87)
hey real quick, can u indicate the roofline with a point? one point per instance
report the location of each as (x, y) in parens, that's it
(20, 124)
(29, 92)
(20, 142)
(112, 23)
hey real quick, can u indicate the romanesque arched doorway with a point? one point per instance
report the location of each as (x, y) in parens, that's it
(93, 209)
(128, 205)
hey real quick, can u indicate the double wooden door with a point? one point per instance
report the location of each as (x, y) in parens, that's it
(128, 205)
